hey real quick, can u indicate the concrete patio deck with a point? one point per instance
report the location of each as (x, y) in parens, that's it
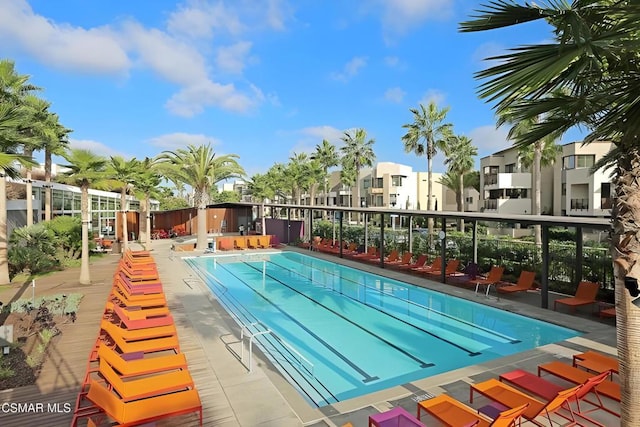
(232, 396)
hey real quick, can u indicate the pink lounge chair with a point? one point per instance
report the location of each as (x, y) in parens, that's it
(397, 416)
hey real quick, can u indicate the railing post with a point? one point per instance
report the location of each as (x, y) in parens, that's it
(579, 252)
(544, 279)
(381, 249)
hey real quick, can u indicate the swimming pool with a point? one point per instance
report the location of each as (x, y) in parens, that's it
(336, 332)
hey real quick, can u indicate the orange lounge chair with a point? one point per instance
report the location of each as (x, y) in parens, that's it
(494, 276)
(252, 242)
(151, 345)
(512, 398)
(436, 264)
(607, 312)
(452, 412)
(143, 365)
(580, 376)
(525, 282)
(450, 269)
(147, 386)
(133, 335)
(393, 257)
(123, 294)
(240, 242)
(135, 288)
(139, 319)
(420, 261)
(123, 300)
(144, 410)
(404, 261)
(585, 295)
(596, 362)
(372, 252)
(137, 274)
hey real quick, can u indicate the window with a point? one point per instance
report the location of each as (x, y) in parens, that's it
(578, 161)
(469, 199)
(57, 200)
(510, 168)
(564, 188)
(396, 180)
(378, 183)
(366, 183)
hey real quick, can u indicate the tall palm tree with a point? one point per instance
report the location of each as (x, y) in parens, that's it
(12, 119)
(592, 52)
(85, 170)
(123, 174)
(460, 162)
(357, 152)
(147, 183)
(427, 134)
(58, 146)
(200, 168)
(328, 157)
(348, 178)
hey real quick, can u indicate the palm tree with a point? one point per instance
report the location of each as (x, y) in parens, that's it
(425, 136)
(147, 182)
(327, 156)
(58, 146)
(297, 176)
(86, 170)
(460, 162)
(348, 178)
(199, 168)
(11, 120)
(123, 174)
(592, 53)
(357, 152)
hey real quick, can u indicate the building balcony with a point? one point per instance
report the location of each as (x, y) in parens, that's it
(507, 180)
(508, 206)
(375, 190)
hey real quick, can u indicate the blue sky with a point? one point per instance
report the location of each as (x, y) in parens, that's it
(263, 79)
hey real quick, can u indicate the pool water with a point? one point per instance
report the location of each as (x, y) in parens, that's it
(336, 332)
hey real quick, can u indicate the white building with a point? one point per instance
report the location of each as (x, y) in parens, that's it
(567, 186)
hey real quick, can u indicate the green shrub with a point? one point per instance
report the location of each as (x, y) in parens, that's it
(68, 234)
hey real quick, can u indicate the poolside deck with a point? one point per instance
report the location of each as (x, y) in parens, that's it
(232, 396)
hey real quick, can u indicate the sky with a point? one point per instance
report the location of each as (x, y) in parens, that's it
(263, 79)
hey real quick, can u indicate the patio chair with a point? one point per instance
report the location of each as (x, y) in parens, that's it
(596, 362)
(585, 295)
(240, 242)
(436, 264)
(420, 261)
(450, 269)
(404, 261)
(144, 410)
(512, 398)
(393, 257)
(525, 282)
(397, 416)
(129, 366)
(494, 276)
(469, 272)
(138, 319)
(579, 376)
(151, 345)
(252, 242)
(452, 412)
(133, 335)
(127, 298)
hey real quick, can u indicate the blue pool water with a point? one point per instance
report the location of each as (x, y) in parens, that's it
(336, 332)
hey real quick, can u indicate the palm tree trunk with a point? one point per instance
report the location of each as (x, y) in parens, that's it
(358, 194)
(202, 242)
(4, 262)
(626, 260)
(147, 202)
(429, 194)
(326, 195)
(537, 160)
(460, 202)
(123, 218)
(142, 220)
(47, 188)
(85, 275)
(29, 190)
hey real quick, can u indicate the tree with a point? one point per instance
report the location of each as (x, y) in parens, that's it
(147, 181)
(123, 175)
(86, 170)
(200, 168)
(11, 119)
(348, 178)
(327, 156)
(425, 136)
(460, 162)
(593, 54)
(58, 146)
(357, 152)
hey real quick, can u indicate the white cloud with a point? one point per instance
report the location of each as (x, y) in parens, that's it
(231, 59)
(319, 133)
(395, 95)
(488, 50)
(399, 16)
(172, 141)
(62, 46)
(200, 19)
(488, 139)
(193, 99)
(96, 147)
(433, 95)
(350, 69)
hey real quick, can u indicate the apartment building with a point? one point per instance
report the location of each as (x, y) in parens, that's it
(567, 186)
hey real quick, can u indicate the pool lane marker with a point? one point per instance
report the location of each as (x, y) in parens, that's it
(214, 279)
(510, 340)
(366, 377)
(421, 362)
(469, 352)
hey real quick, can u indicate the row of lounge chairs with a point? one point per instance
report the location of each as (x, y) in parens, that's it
(228, 243)
(136, 373)
(586, 292)
(521, 394)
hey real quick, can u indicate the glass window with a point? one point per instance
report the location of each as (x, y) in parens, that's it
(586, 161)
(95, 203)
(569, 162)
(396, 180)
(103, 203)
(57, 200)
(564, 188)
(379, 182)
(510, 168)
(77, 202)
(367, 182)
(112, 204)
